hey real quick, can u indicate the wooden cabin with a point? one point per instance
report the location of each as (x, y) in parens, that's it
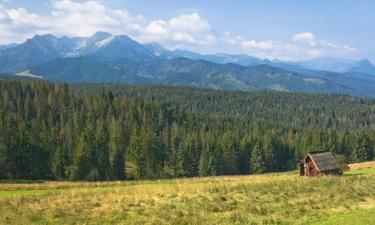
(319, 164)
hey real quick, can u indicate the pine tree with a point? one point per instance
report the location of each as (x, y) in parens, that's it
(346, 144)
(231, 153)
(364, 149)
(211, 163)
(83, 159)
(117, 158)
(270, 154)
(101, 154)
(138, 155)
(188, 156)
(332, 143)
(246, 148)
(59, 163)
(174, 143)
(257, 159)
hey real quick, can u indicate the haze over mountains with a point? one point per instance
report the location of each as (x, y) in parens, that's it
(117, 58)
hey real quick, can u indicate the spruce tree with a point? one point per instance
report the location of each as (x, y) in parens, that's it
(246, 148)
(101, 154)
(231, 154)
(117, 152)
(83, 159)
(257, 159)
(188, 156)
(59, 163)
(211, 163)
(364, 148)
(138, 155)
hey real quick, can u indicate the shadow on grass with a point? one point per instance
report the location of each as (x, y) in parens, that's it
(352, 174)
(22, 181)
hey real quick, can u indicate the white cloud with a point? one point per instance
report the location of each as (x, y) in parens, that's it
(67, 18)
(187, 28)
(302, 46)
(190, 23)
(157, 27)
(180, 36)
(347, 47)
(72, 18)
(305, 37)
(232, 40)
(83, 19)
(18, 24)
(3, 14)
(189, 31)
(263, 45)
(314, 53)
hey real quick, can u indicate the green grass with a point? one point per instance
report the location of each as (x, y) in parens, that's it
(13, 193)
(357, 217)
(362, 171)
(36, 192)
(280, 198)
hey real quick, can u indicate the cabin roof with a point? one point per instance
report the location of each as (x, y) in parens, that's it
(324, 161)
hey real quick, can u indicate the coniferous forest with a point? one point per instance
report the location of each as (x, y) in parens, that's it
(115, 132)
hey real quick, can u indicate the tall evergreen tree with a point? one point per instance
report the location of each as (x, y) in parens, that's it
(270, 154)
(117, 158)
(257, 159)
(101, 152)
(364, 149)
(246, 148)
(60, 163)
(231, 153)
(188, 156)
(83, 160)
(138, 155)
(211, 162)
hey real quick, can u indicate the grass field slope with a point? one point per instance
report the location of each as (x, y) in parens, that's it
(278, 198)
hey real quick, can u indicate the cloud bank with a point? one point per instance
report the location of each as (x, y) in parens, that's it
(187, 31)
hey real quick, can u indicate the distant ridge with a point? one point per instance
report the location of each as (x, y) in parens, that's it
(104, 57)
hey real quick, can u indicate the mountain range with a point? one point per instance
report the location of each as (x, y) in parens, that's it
(104, 57)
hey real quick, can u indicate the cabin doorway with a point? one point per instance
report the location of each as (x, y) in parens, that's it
(301, 169)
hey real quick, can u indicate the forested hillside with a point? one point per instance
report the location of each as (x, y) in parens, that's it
(111, 132)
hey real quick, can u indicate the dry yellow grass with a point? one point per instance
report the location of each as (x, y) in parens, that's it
(363, 165)
(281, 198)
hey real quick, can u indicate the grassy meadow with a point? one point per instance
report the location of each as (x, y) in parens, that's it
(279, 198)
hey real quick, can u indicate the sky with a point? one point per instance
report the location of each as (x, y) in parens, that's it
(285, 30)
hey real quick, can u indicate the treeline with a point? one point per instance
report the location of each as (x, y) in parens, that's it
(298, 110)
(95, 132)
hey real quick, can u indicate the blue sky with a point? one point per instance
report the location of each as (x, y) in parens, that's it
(289, 30)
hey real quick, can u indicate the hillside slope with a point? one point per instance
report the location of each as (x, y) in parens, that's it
(188, 72)
(282, 198)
